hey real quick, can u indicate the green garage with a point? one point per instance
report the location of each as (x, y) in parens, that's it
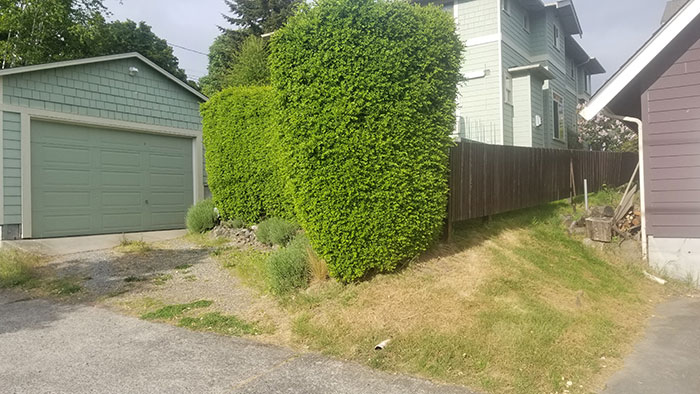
(88, 180)
(97, 146)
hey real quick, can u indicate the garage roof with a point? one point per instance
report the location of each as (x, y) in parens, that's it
(69, 63)
(621, 93)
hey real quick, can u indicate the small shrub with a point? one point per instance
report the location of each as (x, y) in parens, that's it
(234, 223)
(276, 231)
(201, 217)
(16, 268)
(288, 268)
(367, 93)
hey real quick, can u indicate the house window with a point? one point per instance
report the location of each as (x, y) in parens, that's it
(506, 6)
(557, 38)
(508, 89)
(526, 22)
(572, 69)
(559, 118)
(587, 83)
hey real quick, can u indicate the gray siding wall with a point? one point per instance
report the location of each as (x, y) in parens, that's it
(671, 114)
(11, 168)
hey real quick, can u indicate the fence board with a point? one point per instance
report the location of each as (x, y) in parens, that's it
(490, 179)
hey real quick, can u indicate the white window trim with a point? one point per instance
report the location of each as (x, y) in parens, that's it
(507, 88)
(556, 32)
(526, 22)
(561, 117)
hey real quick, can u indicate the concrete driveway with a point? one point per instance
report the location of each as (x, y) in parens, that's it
(668, 358)
(67, 348)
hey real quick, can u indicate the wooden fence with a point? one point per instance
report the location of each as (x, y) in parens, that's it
(490, 179)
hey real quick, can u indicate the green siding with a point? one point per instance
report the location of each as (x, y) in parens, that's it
(88, 180)
(11, 132)
(479, 102)
(106, 90)
(476, 18)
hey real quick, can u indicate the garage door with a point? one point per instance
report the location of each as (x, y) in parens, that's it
(88, 180)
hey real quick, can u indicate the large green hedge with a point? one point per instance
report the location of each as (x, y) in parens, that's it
(243, 154)
(367, 91)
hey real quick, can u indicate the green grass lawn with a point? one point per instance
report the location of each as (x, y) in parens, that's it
(514, 305)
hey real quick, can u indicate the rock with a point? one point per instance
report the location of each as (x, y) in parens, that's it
(574, 229)
(595, 212)
(592, 244)
(567, 220)
(608, 211)
(631, 250)
(599, 229)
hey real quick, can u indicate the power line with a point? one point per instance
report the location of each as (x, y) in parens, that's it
(188, 49)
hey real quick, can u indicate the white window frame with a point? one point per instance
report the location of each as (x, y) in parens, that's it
(558, 118)
(506, 6)
(587, 82)
(508, 88)
(572, 69)
(526, 22)
(557, 36)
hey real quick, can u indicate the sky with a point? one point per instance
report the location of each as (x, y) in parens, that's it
(612, 29)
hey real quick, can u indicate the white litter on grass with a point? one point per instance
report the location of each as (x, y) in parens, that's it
(655, 278)
(382, 345)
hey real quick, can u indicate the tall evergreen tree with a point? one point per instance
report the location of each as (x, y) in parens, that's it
(259, 16)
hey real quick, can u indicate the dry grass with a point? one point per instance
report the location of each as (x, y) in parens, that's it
(512, 306)
(318, 266)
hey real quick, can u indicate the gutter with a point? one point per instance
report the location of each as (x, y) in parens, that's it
(642, 189)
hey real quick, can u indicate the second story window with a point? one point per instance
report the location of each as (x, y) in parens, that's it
(506, 6)
(526, 22)
(587, 83)
(508, 88)
(572, 70)
(557, 37)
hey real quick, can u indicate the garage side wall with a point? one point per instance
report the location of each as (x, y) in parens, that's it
(12, 205)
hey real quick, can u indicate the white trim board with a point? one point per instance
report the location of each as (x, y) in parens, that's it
(640, 60)
(99, 59)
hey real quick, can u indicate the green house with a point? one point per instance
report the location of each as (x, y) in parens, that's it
(524, 72)
(109, 144)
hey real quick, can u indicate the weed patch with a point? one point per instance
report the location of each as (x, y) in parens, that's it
(133, 246)
(222, 324)
(276, 231)
(17, 268)
(162, 279)
(174, 311)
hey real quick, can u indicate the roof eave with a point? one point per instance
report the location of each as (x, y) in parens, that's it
(100, 59)
(614, 86)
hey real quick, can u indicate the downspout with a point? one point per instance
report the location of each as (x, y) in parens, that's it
(642, 189)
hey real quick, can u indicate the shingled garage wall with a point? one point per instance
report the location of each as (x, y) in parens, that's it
(103, 145)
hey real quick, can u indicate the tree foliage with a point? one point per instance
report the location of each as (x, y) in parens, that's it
(259, 16)
(603, 133)
(367, 92)
(248, 18)
(246, 67)
(44, 31)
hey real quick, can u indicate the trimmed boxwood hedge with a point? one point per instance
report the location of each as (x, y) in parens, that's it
(243, 154)
(367, 93)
